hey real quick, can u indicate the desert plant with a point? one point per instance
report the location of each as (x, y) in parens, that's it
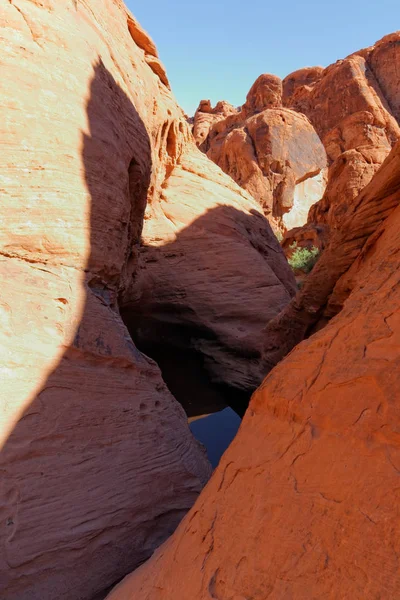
(303, 259)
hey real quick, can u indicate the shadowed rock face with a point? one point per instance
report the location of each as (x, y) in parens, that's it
(273, 153)
(98, 464)
(354, 108)
(266, 92)
(305, 501)
(188, 317)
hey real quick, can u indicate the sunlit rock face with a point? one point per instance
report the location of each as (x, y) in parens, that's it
(272, 152)
(98, 464)
(205, 118)
(351, 106)
(354, 108)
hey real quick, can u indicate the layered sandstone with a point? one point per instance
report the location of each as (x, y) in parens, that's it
(305, 501)
(98, 464)
(272, 152)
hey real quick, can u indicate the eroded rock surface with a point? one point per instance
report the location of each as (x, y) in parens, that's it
(305, 501)
(98, 464)
(353, 108)
(352, 105)
(95, 451)
(205, 118)
(272, 152)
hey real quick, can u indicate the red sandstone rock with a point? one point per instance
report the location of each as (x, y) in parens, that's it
(353, 108)
(383, 60)
(305, 501)
(266, 92)
(95, 450)
(206, 116)
(274, 154)
(297, 86)
(353, 105)
(345, 88)
(98, 464)
(361, 220)
(349, 174)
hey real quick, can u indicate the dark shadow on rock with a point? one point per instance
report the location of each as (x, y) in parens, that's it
(209, 350)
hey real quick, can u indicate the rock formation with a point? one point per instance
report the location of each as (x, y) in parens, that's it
(305, 501)
(98, 464)
(272, 152)
(352, 105)
(213, 274)
(205, 118)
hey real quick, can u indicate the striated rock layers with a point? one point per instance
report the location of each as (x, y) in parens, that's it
(272, 152)
(353, 105)
(305, 503)
(98, 465)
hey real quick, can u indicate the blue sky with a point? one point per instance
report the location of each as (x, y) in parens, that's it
(216, 49)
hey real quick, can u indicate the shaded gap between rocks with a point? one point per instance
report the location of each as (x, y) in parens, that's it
(214, 411)
(182, 366)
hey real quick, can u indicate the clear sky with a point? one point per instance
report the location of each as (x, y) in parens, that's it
(216, 49)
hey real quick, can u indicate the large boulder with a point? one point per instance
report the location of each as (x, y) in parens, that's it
(297, 87)
(305, 503)
(98, 464)
(266, 92)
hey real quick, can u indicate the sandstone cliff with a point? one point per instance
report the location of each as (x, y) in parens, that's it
(98, 464)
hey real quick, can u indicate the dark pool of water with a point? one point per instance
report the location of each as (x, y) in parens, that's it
(216, 432)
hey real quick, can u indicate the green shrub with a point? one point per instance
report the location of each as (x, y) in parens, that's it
(303, 259)
(278, 235)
